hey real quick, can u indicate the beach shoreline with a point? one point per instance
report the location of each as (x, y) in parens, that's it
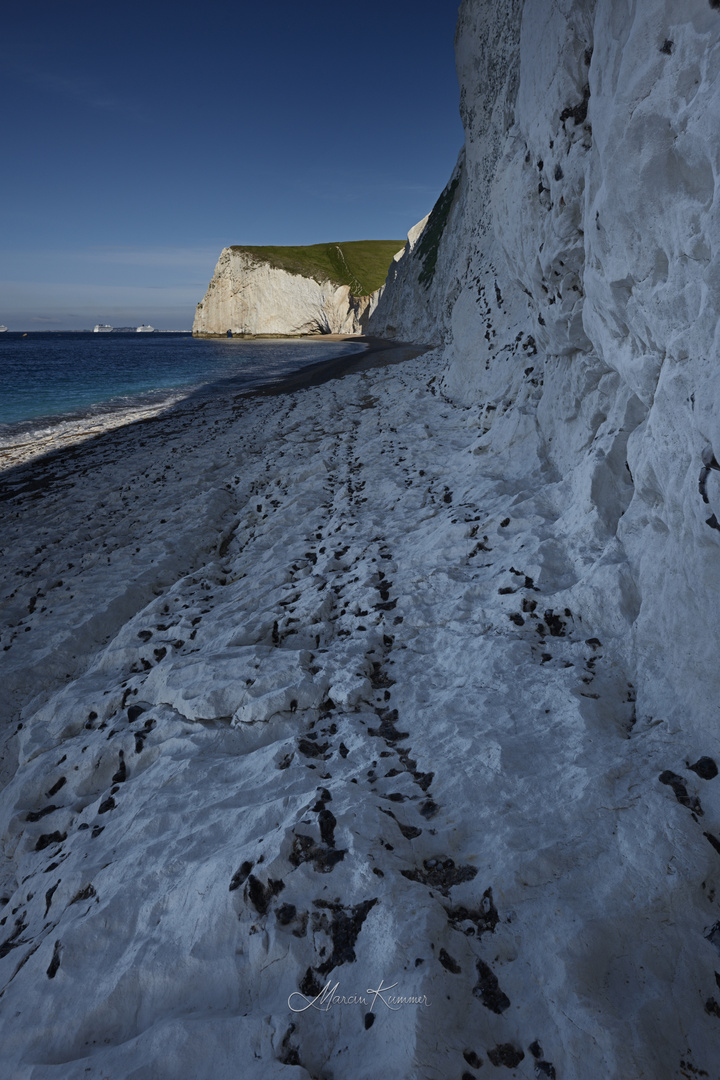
(65, 434)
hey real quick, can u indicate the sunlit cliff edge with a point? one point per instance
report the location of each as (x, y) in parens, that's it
(295, 291)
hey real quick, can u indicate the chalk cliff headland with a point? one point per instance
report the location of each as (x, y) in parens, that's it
(288, 292)
(409, 680)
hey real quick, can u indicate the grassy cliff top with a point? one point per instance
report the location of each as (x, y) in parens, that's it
(361, 264)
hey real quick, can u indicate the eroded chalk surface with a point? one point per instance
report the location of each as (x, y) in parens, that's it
(311, 695)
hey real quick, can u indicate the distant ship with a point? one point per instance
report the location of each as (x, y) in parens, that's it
(3, 329)
(146, 329)
(102, 328)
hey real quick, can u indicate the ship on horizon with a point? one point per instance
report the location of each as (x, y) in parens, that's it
(102, 328)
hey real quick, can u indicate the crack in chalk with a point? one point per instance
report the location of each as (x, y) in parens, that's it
(275, 961)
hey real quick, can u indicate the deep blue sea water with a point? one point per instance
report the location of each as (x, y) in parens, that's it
(48, 378)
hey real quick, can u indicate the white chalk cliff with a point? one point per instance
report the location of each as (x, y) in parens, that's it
(409, 680)
(577, 290)
(250, 296)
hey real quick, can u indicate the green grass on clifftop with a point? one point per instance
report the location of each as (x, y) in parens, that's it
(361, 264)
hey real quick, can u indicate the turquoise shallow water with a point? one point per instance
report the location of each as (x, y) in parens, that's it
(48, 378)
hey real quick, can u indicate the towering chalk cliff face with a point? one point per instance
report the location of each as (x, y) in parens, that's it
(250, 296)
(577, 289)
(577, 293)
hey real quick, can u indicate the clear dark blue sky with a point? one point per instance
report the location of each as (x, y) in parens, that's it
(141, 138)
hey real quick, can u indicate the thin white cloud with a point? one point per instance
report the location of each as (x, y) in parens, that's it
(113, 266)
(28, 304)
(74, 88)
(116, 254)
(63, 289)
(161, 256)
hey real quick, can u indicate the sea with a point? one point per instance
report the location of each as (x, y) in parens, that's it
(50, 379)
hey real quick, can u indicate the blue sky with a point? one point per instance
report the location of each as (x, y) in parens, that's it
(139, 139)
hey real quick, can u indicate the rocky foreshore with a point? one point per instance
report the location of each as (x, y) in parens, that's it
(307, 706)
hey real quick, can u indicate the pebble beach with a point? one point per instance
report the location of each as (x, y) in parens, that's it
(275, 724)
